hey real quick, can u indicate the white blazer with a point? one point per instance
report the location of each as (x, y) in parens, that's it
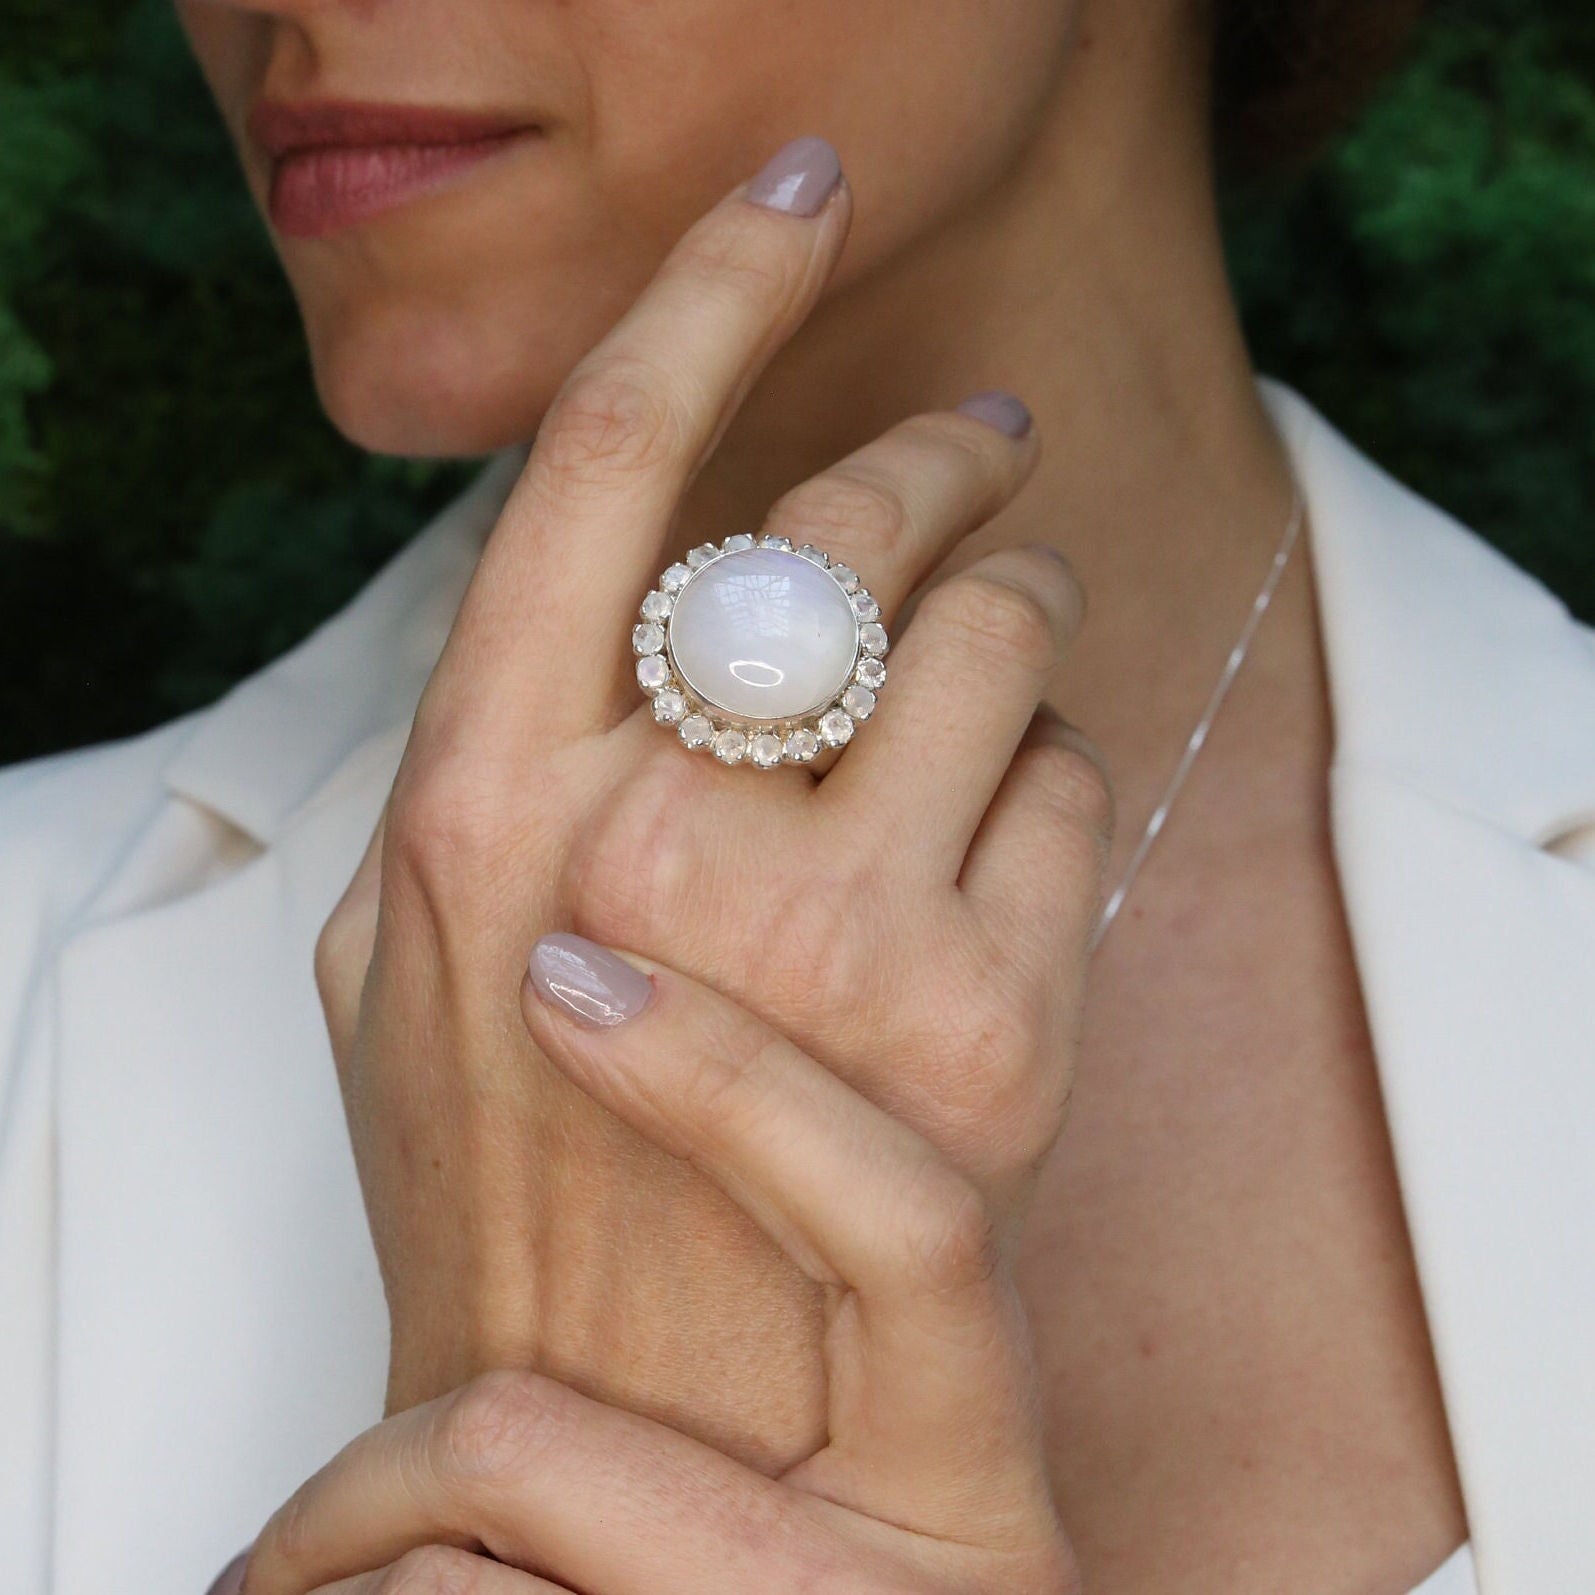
(191, 1319)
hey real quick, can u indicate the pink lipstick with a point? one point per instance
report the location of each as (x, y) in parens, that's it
(335, 163)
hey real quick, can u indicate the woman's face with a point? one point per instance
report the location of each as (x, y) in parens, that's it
(451, 269)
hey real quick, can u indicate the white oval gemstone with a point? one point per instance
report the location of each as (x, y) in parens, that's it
(846, 576)
(872, 638)
(657, 605)
(730, 745)
(865, 607)
(737, 541)
(652, 673)
(675, 578)
(701, 555)
(871, 673)
(763, 635)
(648, 638)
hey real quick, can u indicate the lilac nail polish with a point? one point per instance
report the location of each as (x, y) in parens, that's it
(798, 177)
(232, 1577)
(586, 981)
(999, 409)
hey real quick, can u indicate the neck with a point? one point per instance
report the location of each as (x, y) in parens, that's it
(1089, 279)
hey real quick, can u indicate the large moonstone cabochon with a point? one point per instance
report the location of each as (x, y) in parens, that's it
(764, 635)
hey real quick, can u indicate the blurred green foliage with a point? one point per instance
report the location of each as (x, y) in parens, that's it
(174, 511)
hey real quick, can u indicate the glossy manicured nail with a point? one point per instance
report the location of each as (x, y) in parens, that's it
(586, 981)
(999, 409)
(232, 1577)
(798, 177)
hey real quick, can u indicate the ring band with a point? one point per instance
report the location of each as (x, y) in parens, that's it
(760, 652)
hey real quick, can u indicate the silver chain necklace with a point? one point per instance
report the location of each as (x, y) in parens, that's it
(1199, 735)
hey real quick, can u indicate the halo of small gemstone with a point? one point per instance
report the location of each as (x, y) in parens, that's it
(702, 725)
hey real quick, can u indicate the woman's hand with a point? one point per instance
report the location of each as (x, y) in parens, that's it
(916, 919)
(933, 1478)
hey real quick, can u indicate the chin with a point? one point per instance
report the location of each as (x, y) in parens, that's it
(409, 382)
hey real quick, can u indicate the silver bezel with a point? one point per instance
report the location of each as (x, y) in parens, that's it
(733, 738)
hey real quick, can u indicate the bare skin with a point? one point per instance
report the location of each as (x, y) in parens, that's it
(1238, 1375)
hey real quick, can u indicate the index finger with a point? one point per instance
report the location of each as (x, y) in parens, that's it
(933, 1417)
(584, 527)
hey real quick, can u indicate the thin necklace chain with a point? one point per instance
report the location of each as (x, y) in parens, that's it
(1199, 735)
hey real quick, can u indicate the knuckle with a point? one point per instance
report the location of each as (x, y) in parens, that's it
(732, 250)
(952, 1242)
(637, 866)
(433, 1570)
(996, 1088)
(864, 512)
(444, 821)
(337, 958)
(727, 1083)
(285, 1542)
(498, 1425)
(616, 415)
(997, 620)
(1076, 788)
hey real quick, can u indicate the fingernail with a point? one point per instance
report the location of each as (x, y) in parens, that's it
(232, 1577)
(798, 177)
(999, 409)
(587, 981)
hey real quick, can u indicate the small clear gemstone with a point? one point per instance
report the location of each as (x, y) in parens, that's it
(836, 727)
(730, 745)
(865, 606)
(675, 578)
(765, 750)
(652, 673)
(859, 702)
(809, 551)
(801, 746)
(701, 555)
(784, 543)
(871, 673)
(737, 541)
(872, 638)
(846, 575)
(670, 705)
(696, 731)
(657, 606)
(648, 638)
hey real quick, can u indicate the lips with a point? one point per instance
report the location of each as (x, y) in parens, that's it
(336, 163)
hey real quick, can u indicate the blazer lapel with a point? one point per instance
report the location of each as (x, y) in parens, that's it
(1463, 696)
(221, 1322)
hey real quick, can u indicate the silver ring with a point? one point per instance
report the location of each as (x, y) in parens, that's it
(760, 652)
